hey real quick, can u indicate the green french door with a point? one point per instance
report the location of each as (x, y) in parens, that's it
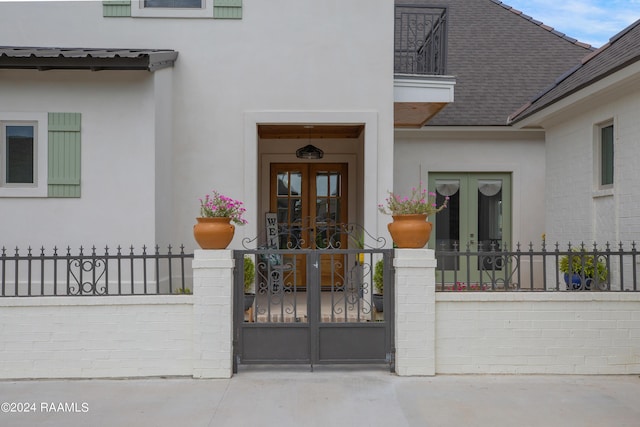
(478, 217)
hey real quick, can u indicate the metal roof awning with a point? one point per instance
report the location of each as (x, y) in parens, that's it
(51, 58)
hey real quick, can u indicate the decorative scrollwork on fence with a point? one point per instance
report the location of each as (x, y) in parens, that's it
(275, 280)
(305, 234)
(356, 296)
(87, 274)
(499, 270)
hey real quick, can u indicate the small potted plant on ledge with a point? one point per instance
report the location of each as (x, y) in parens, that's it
(378, 283)
(214, 229)
(410, 228)
(583, 270)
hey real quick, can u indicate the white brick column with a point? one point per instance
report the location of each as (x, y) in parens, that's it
(415, 320)
(213, 313)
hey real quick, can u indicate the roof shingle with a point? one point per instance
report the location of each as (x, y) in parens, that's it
(622, 50)
(500, 58)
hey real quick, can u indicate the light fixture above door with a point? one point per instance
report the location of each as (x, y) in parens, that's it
(309, 152)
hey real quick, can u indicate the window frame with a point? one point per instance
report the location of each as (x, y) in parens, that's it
(38, 188)
(599, 155)
(139, 10)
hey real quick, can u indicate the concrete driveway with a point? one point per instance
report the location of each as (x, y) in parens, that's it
(260, 396)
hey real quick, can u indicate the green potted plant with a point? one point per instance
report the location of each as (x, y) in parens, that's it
(410, 228)
(249, 277)
(378, 284)
(583, 269)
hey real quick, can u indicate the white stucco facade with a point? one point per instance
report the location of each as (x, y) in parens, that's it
(517, 153)
(118, 165)
(153, 143)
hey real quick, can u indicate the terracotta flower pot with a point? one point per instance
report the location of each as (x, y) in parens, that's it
(213, 233)
(410, 231)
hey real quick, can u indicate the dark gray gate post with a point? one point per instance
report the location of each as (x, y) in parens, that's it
(313, 307)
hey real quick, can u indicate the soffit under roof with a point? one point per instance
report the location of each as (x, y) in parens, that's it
(54, 58)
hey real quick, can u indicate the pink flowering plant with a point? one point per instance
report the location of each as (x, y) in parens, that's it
(420, 202)
(217, 205)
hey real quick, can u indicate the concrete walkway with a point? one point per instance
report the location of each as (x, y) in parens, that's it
(327, 397)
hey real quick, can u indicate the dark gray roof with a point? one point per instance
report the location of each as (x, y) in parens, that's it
(48, 58)
(500, 58)
(622, 50)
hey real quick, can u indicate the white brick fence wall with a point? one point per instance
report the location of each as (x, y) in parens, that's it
(191, 335)
(89, 337)
(538, 333)
(123, 336)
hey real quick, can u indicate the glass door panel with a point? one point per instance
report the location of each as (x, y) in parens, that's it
(330, 191)
(448, 224)
(489, 214)
(288, 199)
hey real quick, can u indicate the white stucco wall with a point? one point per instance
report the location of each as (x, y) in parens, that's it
(117, 184)
(577, 210)
(418, 153)
(316, 58)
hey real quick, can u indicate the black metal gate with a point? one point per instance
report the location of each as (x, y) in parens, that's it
(313, 307)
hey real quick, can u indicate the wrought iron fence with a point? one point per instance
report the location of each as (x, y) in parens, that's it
(578, 268)
(420, 40)
(94, 273)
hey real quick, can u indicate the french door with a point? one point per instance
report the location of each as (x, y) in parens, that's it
(478, 217)
(310, 200)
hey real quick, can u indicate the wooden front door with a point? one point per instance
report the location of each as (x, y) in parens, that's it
(310, 200)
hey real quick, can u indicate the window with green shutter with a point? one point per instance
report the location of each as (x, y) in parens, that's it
(19, 160)
(218, 9)
(23, 154)
(64, 155)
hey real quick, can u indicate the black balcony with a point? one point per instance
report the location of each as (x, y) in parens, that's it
(420, 40)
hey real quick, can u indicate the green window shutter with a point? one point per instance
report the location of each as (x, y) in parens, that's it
(116, 8)
(64, 155)
(227, 9)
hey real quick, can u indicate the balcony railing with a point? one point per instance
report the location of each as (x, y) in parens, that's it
(420, 40)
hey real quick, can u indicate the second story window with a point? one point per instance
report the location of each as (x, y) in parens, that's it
(172, 8)
(175, 4)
